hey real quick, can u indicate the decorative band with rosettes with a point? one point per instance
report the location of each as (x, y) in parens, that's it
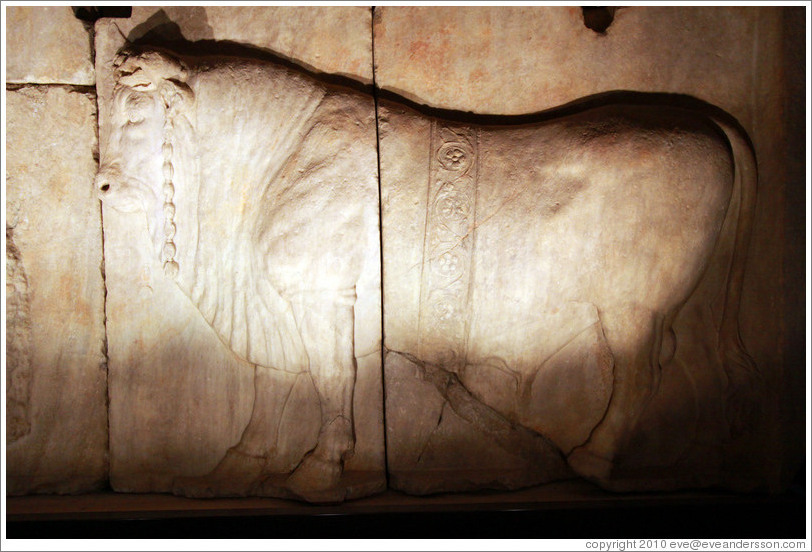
(448, 245)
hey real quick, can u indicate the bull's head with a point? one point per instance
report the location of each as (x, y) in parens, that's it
(137, 170)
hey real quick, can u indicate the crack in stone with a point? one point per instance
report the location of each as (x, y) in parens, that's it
(531, 446)
(380, 232)
(433, 431)
(89, 89)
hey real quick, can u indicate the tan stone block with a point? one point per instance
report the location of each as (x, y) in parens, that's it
(335, 40)
(47, 45)
(511, 60)
(56, 368)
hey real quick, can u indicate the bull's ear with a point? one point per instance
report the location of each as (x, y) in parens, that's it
(130, 71)
(164, 66)
(138, 80)
(122, 56)
(177, 94)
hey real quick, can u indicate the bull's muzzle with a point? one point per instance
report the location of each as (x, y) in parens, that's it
(105, 180)
(103, 183)
(115, 191)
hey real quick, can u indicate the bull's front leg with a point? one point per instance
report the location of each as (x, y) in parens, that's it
(326, 324)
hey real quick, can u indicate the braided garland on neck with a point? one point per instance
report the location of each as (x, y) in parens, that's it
(169, 250)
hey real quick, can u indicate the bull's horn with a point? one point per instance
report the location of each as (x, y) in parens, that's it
(122, 56)
(153, 66)
(137, 79)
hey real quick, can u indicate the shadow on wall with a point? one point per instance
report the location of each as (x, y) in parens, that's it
(599, 18)
(92, 13)
(160, 28)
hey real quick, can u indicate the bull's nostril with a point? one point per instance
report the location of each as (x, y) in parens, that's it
(104, 187)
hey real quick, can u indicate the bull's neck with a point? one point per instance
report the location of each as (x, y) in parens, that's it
(228, 157)
(186, 238)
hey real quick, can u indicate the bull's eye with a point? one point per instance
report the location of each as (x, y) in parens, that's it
(134, 117)
(136, 108)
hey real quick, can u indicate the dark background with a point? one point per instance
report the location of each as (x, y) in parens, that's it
(701, 514)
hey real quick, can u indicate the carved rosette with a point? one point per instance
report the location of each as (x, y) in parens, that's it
(448, 245)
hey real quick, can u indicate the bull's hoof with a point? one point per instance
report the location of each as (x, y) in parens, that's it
(237, 474)
(590, 466)
(316, 480)
(741, 406)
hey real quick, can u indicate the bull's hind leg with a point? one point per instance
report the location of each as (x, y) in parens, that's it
(635, 336)
(326, 323)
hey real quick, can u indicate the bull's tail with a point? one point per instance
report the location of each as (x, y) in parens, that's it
(743, 377)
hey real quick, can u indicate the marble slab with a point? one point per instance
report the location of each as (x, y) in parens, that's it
(56, 371)
(47, 44)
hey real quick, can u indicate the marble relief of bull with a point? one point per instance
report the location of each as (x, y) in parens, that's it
(260, 188)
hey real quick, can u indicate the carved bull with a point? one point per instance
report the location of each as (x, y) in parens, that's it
(261, 193)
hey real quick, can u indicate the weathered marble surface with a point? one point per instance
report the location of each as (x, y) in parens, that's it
(56, 399)
(47, 44)
(261, 251)
(516, 60)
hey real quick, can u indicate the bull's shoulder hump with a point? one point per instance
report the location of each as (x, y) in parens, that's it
(345, 120)
(347, 104)
(242, 70)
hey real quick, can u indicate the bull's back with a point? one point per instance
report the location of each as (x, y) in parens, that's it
(620, 207)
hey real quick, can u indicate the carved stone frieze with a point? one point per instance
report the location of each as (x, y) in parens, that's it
(463, 266)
